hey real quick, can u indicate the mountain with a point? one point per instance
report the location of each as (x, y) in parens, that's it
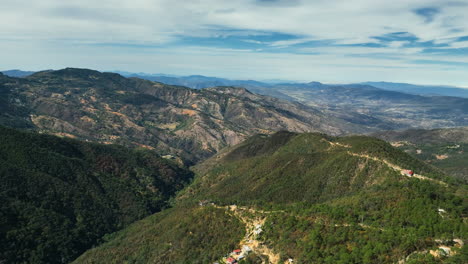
(59, 197)
(193, 124)
(318, 167)
(267, 88)
(196, 81)
(17, 73)
(385, 106)
(445, 148)
(201, 82)
(303, 198)
(187, 123)
(177, 235)
(421, 89)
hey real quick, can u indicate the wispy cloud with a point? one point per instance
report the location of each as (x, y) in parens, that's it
(386, 34)
(428, 13)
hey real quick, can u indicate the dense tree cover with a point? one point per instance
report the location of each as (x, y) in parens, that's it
(380, 225)
(321, 204)
(58, 197)
(288, 167)
(178, 236)
(12, 110)
(337, 208)
(378, 148)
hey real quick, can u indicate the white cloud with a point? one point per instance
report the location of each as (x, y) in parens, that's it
(161, 20)
(54, 32)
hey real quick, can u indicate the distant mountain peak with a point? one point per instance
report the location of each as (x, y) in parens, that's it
(236, 90)
(17, 73)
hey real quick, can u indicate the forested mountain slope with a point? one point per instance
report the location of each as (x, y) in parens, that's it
(59, 197)
(316, 166)
(311, 198)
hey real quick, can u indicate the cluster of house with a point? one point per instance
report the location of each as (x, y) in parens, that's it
(236, 255)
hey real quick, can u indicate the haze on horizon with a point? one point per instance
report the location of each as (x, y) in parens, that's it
(333, 41)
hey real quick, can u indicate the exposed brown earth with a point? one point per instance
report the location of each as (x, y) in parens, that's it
(188, 123)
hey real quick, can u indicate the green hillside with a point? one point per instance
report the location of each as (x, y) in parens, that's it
(310, 198)
(58, 197)
(288, 167)
(181, 235)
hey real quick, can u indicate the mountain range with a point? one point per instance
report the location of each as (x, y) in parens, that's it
(188, 123)
(94, 168)
(200, 82)
(193, 124)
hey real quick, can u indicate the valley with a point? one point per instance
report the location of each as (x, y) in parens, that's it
(234, 132)
(60, 197)
(291, 180)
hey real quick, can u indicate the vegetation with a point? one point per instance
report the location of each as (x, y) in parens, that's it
(446, 149)
(178, 235)
(320, 203)
(383, 224)
(323, 199)
(449, 157)
(59, 197)
(188, 123)
(288, 167)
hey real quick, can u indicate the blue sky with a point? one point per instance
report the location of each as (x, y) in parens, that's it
(333, 41)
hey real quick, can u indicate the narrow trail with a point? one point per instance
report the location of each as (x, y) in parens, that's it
(389, 164)
(255, 219)
(397, 168)
(253, 227)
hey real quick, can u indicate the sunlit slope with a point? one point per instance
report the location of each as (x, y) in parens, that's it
(181, 235)
(310, 198)
(288, 167)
